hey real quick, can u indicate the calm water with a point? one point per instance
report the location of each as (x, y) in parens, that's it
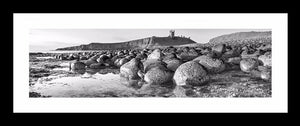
(93, 83)
(84, 83)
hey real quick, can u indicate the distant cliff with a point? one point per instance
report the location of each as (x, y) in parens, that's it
(243, 36)
(150, 42)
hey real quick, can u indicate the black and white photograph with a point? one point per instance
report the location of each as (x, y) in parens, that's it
(147, 62)
(150, 63)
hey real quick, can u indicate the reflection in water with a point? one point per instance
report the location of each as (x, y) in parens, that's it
(132, 83)
(47, 57)
(92, 71)
(93, 83)
(100, 71)
(61, 68)
(84, 85)
(80, 71)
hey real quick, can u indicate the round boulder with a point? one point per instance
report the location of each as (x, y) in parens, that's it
(190, 73)
(205, 51)
(130, 69)
(155, 55)
(266, 59)
(148, 64)
(102, 59)
(77, 65)
(247, 65)
(120, 53)
(62, 57)
(218, 49)
(158, 75)
(210, 64)
(233, 63)
(96, 66)
(230, 53)
(120, 62)
(265, 75)
(234, 60)
(95, 57)
(89, 62)
(265, 47)
(169, 56)
(83, 58)
(173, 64)
(71, 57)
(187, 56)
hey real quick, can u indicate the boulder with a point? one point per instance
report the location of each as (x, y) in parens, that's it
(229, 54)
(213, 55)
(141, 56)
(173, 64)
(83, 58)
(245, 55)
(234, 60)
(114, 58)
(169, 56)
(129, 57)
(155, 55)
(210, 64)
(97, 66)
(245, 48)
(148, 64)
(233, 63)
(130, 69)
(190, 73)
(121, 62)
(94, 58)
(77, 65)
(109, 62)
(76, 56)
(218, 49)
(265, 47)
(109, 55)
(89, 62)
(266, 59)
(70, 57)
(120, 53)
(264, 68)
(247, 65)
(187, 56)
(158, 75)
(185, 49)
(62, 57)
(266, 75)
(102, 59)
(204, 51)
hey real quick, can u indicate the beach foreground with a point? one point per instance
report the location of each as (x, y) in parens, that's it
(226, 71)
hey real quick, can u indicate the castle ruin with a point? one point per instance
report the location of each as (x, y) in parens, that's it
(172, 34)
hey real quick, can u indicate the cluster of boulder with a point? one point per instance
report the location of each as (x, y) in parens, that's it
(100, 59)
(185, 66)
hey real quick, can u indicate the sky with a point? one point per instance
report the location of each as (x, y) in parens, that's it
(51, 39)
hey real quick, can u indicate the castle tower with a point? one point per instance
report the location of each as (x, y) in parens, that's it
(172, 34)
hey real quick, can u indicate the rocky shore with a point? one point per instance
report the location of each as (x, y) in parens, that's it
(209, 70)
